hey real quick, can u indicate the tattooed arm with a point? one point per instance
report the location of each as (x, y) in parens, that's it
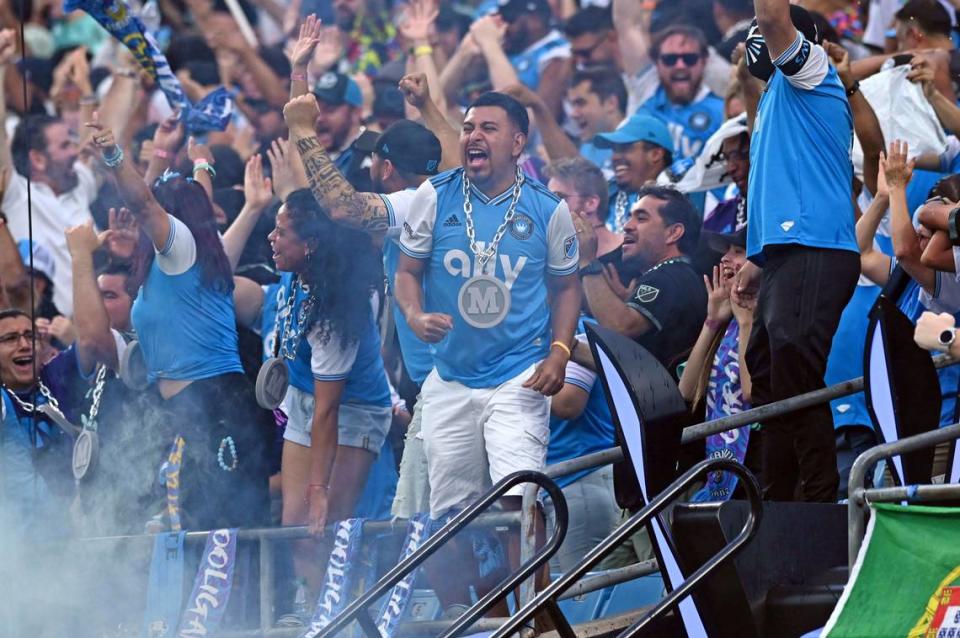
(363, 211)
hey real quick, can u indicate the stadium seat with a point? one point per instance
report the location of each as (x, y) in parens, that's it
(640, 592)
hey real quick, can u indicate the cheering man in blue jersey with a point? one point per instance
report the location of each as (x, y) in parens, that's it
(488, 275)
(800, 240)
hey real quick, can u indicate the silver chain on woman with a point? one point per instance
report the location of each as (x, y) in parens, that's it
(281, 332)
(486, 255)
(89, 421)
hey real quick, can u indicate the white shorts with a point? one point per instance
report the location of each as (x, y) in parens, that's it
(360, 426)
(413, 486)
(475, 437)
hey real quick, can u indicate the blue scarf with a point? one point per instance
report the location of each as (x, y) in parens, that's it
(212, 113)
(212, 585)
(418, 530)
(165, 586)
(339, 576)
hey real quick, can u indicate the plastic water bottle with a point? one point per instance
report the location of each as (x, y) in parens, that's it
(300, 608)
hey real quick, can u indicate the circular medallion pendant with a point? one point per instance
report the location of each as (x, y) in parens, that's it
(85, 450)
(272, 382)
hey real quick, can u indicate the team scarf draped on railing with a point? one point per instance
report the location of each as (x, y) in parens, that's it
(418, 531)
(164, 591)
(212, 113)
(211, 587)
(339, 575)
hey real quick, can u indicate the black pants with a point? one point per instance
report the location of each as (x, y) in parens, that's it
(803, 293)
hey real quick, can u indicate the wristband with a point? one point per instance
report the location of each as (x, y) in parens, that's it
(952, 229)
(298, 77)
(563, 347)
(203, 165)
(853, 88)
(595, 267)
(423, 49)
(713, 324)
(89, 100)
(162, 154)
(319, 486)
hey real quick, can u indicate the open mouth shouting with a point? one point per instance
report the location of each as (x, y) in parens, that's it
(477, 157)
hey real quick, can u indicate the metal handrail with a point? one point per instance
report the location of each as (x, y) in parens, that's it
(859, 496)
(547, 599)
(357, 609)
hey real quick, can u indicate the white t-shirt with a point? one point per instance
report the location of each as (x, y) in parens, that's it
(52, 215)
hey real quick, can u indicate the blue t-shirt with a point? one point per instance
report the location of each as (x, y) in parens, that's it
(539, 242)
(845, 361)
(591, 432)
(690, 125)
(417, 355)
(359, 365)
(187, 330)
(801, 174)
(602, 157)
(530, 63)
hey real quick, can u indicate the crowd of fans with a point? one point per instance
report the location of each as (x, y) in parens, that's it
(413, 212)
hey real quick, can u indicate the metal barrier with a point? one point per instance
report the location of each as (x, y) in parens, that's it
(860, 496)
(357, 609)
(547, 599)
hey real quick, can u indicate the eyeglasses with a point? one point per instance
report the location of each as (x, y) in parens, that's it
(15, 337)
(671, 59)
(586, 52)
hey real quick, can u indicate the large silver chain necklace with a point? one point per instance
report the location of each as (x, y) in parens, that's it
(484, 300)
(274, 376)
(620, 211)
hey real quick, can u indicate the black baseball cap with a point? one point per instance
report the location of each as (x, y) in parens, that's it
(336, 89)
(410, 146)
(721, 242)
(388, 100)
(510, 10)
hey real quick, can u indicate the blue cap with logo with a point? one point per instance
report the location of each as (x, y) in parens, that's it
(639, 128)
(336, 88)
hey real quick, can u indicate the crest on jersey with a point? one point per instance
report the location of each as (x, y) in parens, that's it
(700, 121)
(521, 227)
(570, 246)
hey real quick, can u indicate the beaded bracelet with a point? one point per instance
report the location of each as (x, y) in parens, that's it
(225, 443)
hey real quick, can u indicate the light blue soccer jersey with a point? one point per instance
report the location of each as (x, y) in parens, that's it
(531, 62)
(690, 125)
(540, 241)
(188, 330)
(360, 365)
(417, 355)
(800, 170)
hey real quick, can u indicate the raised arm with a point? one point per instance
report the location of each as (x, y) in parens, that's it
(631, 19)
(555, 140)
(773, 19)
(416, 89)
(225, 36)
(719, 312)
(135, 193)
(8, 53)
(95, 342)
(488, 32)
(949, 114)
(364, 211)
(14, 279)
(874, 264)
(257, 191)
(906, 246)
(310, 35)
(865, 122)
(420, 18)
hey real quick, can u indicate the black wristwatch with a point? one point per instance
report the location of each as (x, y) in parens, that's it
(595, 267)
(853, 88)
(952, 229)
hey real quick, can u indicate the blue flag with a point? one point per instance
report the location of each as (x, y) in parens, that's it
(213, 113)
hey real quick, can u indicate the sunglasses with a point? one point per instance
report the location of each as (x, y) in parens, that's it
(671, 59)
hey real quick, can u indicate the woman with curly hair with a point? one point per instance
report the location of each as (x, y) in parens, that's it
(186, 328)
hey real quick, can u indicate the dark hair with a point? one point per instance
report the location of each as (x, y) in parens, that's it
(9, 313)
(31, 135)
(592, 19)
(929, 15)
(585, 177)
(685, 30)
(677, 209)
(948, 187)
(230, 166)
(188, 202)
(450, 18)
(604, 83)
(184, 48)
(741, 8)
(342, 271)
(120, 269)
(276, 59)
(203, 72)
(515, 111)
